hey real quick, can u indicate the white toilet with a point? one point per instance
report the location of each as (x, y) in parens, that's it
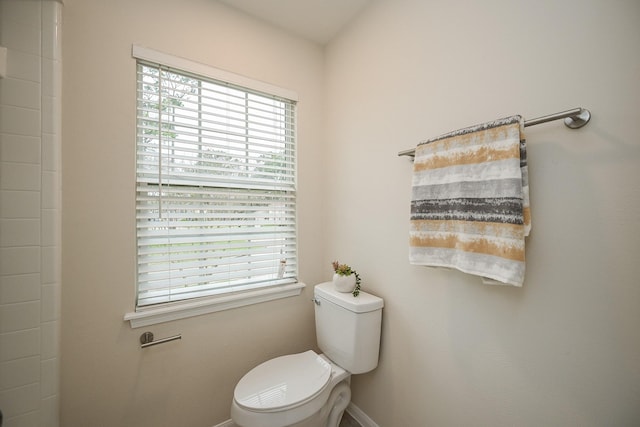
(308, 389)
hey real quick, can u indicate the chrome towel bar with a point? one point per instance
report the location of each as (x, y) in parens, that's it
(146, 339)
(574, 119)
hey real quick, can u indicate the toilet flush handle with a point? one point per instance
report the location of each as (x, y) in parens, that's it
(316, 300)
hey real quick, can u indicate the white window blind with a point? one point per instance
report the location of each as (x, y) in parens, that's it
(216, 187)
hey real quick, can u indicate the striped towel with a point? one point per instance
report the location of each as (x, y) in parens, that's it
(470, 201)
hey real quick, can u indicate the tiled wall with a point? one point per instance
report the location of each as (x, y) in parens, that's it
(30, 212)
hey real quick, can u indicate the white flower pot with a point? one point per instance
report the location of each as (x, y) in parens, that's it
(344, 283)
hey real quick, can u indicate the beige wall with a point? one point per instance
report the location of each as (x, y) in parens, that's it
(107, 380)
(563, 350)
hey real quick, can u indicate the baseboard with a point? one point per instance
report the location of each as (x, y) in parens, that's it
(355, 412)
(359, 415)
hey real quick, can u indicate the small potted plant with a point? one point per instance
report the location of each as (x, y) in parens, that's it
(346, 279)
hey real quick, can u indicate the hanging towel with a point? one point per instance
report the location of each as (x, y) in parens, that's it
(470, 201)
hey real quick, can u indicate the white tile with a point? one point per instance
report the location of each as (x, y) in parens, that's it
(20, 288)
(20, 400)
(51, 160)
(51, 70)
(25, 66)
(51, 115)
(49, 39)
(19, 148)
(50, 227)
(19, 204)
(19, 372)
(19, 176)
(50, 407)
(50, 340)
(50, 190)
(15, 345)
(20, 93)
(48, 77)
(50, 265)
(22, 260)
(19, 232)
(49, 378)
(3, 62)
(30, 419)
(21, 121)
(52, 10)
(51, 32)
(22, 37)
(50, 303)
(19, 316)
(23, 12)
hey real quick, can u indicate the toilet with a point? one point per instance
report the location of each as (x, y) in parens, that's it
(309, 389)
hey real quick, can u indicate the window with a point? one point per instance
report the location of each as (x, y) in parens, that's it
(216, 185)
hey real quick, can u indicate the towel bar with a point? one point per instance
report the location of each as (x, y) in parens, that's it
(146, 339)
(574, 119)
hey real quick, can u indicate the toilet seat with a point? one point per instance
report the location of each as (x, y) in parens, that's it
(282, 383)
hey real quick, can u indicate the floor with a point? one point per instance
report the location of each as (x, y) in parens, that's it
(348, 421)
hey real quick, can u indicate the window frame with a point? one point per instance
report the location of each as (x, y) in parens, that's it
(168, 311)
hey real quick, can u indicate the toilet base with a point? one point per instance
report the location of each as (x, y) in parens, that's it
(337, 403)
(331, 413)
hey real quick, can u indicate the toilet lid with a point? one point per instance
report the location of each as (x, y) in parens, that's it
(282, 382)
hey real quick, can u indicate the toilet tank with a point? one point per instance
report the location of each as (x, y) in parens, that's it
(348, 327)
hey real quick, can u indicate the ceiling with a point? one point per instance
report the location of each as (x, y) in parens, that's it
(315, 20)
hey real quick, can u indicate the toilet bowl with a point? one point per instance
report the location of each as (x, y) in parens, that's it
(309, 389)
(303, 389)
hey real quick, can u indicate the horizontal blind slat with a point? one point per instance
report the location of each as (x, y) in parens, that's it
(216, 186)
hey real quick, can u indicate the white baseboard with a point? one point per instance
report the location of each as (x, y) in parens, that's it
(352, 409)
(360, 416)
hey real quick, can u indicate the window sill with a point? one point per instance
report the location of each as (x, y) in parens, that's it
(182, 310)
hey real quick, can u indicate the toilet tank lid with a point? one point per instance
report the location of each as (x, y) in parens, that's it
(363, 303)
